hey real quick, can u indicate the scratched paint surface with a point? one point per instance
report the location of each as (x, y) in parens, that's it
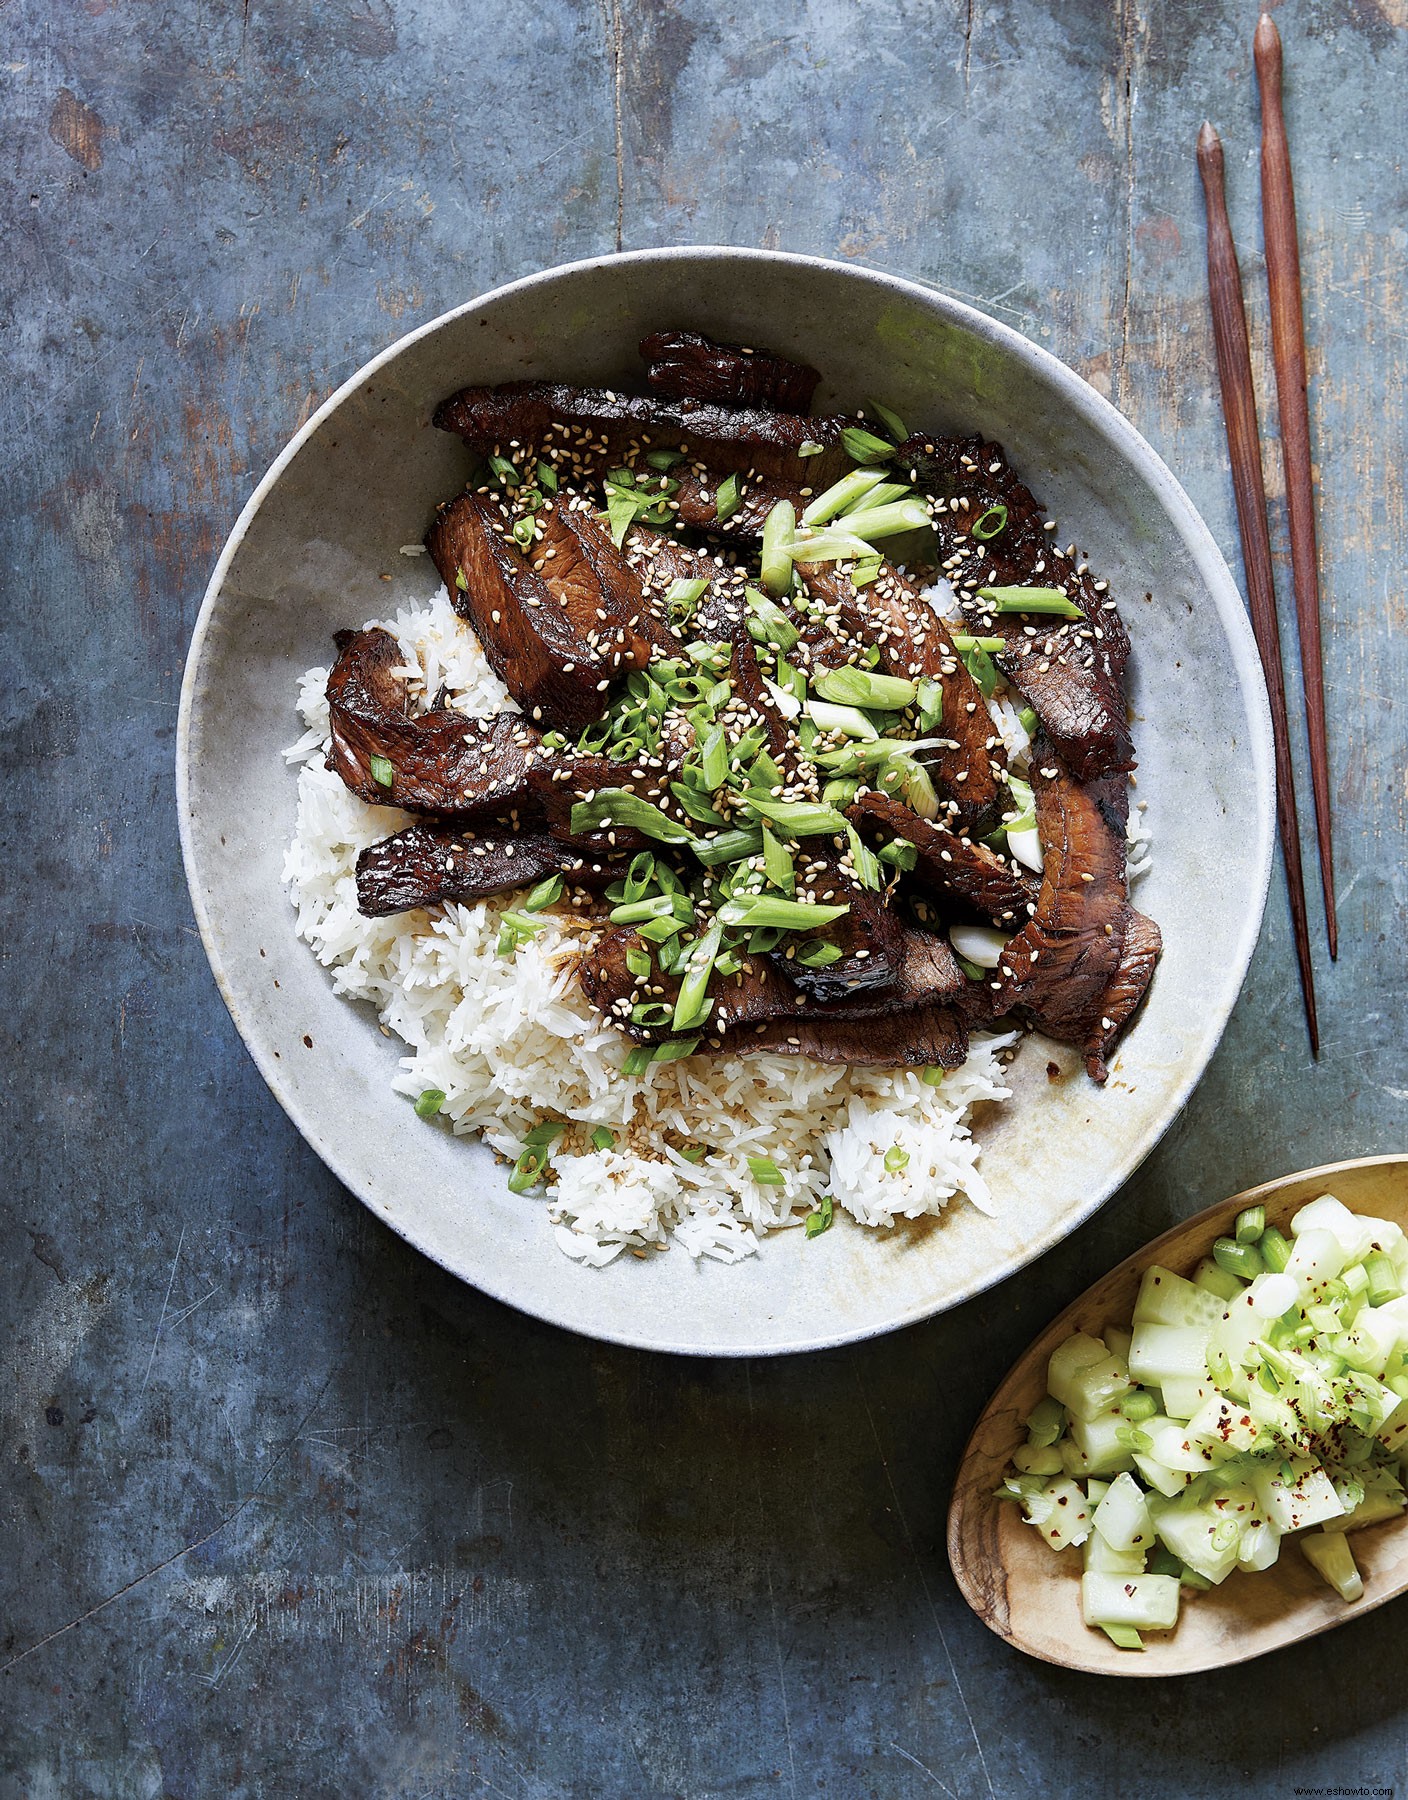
(286, 1511)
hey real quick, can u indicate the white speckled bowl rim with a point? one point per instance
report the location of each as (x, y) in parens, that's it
(305, 557)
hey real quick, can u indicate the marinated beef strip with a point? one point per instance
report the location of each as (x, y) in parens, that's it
(914, 644)
(599, 590)
(1059, 967)
(950, 865)
(441, 761)
(568, 777)
(428, 865)
(1070, 671)
(685, 365)
(587, 430)
(554, 673)
(1143, 942)
(760, 1008)
(660, 560)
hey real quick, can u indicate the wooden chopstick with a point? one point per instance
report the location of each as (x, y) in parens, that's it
(1234, 368)
(1278, 212)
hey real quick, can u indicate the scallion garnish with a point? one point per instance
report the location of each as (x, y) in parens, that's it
(863, 573)
(775, 564)
(896, 1160)
(1028, 720)
(546, 893)
(767, 912)
(638, 961)
(1031, 600)
(963, 643)
(527, 1171)
(890, 420)
(429, 1102)
(603, 1138)
(655, 906)
(846, 492)
(663, 460)
(764, 1171)
(547, 477)
(799, 818)
(727, 500)
(676, 1049)
(650, 1014)
(850, 686)
(777, 863)
(900, 855)
(728, 846)
(691, 1007)
(619, 807)
(682, 596)
(818, 1221)
(1251, 1222)
(818, 954)
(507, 474)
(638, 1060)
(886, 521)
(383, 771)
(988, 524)
(848, 720)
(864, 447)
(932, 1075)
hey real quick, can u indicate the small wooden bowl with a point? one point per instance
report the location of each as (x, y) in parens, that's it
(1031, 1596)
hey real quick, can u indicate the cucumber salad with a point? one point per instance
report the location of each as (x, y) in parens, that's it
(1262, 1397)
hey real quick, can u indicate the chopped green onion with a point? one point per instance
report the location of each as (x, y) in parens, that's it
(429, 1103)
(886, 521)
(891, 421)
(818, 954)
(1123, 1637)
(545, 1132)
(1250, 1224)
(929, 697)
(850, 686)
(1384, 1284)
(638, 1060)
(728, 847)
(527, 1171)
(900, 855)
(864, 861)
(970, 969)
(508, 475)
(663, 460)
(777, 863)
(682, 596)
(863, 573)
(841, 494)
(820, 1220)
(1138, 1407)
(622, 509)
(727, 501)
(810, 447)
(547, 477)
(524, 531)
(1028, 720)
(713, 758)
(620, 807)
(980, 667)
(800, 818)
(988, 524)
(699, 966)
(692, 802)
(840, 791)
(765, 1171)
(461, 581)
(783, 915)
(650, 1014)
(831, 546)
(1031, 600)
(676, 1049)
(383, 771)
(864, 447)
(638, 961)
(775, 565)
(621, 477)
(515, 928)
(896, 1160)
(769, 624)
(547, 893)
(932, 1074)
(847, 719)
(1243, 1260)
(655, 906)
(603, 1138)
(694, 1153)
(963, 643)
(640, 874)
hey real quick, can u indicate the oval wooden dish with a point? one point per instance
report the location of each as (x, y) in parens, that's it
(1031, 1597)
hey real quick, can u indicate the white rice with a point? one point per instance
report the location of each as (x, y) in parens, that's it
(511, 1041)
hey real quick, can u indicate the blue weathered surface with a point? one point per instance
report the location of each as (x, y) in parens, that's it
(288, 1512)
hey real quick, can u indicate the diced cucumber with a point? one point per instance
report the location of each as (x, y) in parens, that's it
(1201, 1537)
(1352, 1232)
(1176, 1448)
(1307, 1498)
(1095, 1492)
(1272, 1294)
(1371, 1341)
(1099, 1555)
(1318, 1256)
(1085, 1377)
(1222, 1422)
(1215, 1280)
(1383, 1499)
(1099, 1443)
(1182, 1397)
(1038, 1459)
(1167, 1299)
(1329, 1554)
(1162, 1351)
(1066, 1514)
(1122, 1517)
(1117, 1341)
(1147, 1602)
(1165, 1480)
(1261, 1545)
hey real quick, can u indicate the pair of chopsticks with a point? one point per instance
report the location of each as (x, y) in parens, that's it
(1244, 446)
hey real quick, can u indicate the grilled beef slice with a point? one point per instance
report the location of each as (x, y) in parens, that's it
(1070, 671)
(441, 761)
(914, 643)
(1143, 942)
(545, 662)
(951, 865)
(914, 1019)
(426, 865)
(660, 560)
(1059, 966)
(685, 365)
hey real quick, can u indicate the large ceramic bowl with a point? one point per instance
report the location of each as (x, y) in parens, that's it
(362, 478)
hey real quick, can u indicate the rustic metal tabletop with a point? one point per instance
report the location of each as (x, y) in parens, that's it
(287, 1510)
